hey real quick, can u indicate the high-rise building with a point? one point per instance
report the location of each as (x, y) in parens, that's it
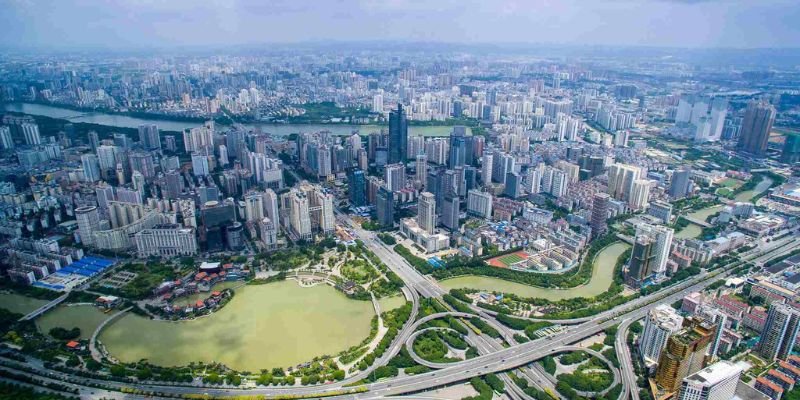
(640, 194)
(451, 212)
(30, 132)
(6, 140)
(620, 180)
(173, 185)
(756, 126)
(421, 169)
(791, 149)
(715, 382)
(513, 187)
(398, 135)
(254, 206)
(662, 243)
(641, 265)
(684, 354)
(395, 176)
(600, 203)
(200, 164)
(142, 162)
(487, 166)
(661, 322)
(357, 186)
(271, 207)
(461, 148)
(679, 184)
(426, 212)
(385, 207)
(88, 223)
(91, 168)
(148, 136)
(268, 233)
(780, 332)
(479, 203)
(94, 140)
(166, 240)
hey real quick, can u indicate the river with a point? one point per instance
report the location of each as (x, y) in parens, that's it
(602, 276)
(748, 195)
(274, 325)
(124, 121)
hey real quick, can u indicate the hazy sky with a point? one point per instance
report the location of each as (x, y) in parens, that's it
(159, 23)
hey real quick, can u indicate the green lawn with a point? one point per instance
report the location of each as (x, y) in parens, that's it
(511, 259)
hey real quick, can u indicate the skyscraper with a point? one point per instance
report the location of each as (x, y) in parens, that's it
(715, 382)
(486, 168)
(479, 203)
(662, 242)
(450, 212)
(780, 332)
(661, 322)
(599, 213)
(422, 169)
(385, 207)
(620, 180)
(398, 135)
(30, 131)
(757, 124)
(426, 211)
(684, 354)
(357, 186)
(641, 265)
(679, 185)
(461, 148)
(395, 177)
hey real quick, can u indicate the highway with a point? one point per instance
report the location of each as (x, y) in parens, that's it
(498, 360)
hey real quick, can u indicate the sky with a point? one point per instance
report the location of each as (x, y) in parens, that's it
(123, 24)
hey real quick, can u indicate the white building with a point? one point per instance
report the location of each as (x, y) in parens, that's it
(715, 382)
(479, 203)
(167, 240)
(662, 244)
(661, 322)
(426, 211)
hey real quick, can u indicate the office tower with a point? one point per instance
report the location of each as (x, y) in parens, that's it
(107, 158)
(756, 126)
(200, 164)
(513, 187)
(398, 136)
(487, 166)
(105, 194)
(599, 214)
(271, 206)
(91, 168)
(684, 354)
(148, 137)
(460, 148)
(6, 140)
(122, 140)
(590, 166)
(640, 194)
(385, 207)
(641, 265)
(137, 179)
(780, 332)
(679, 185)
(88, 223)
(502, 164)
(94, 140)
(30, 131)
(357, 186)
(620, 180)
(426, 211)
(208, 193)
(479, 204)
(715, 382)
(662, 242)
(395, 176)
(661, 322)
(450, 212)
(791, 149)
(421, 169)
(298, 217)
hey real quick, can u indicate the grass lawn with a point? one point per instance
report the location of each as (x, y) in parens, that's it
(730, 183)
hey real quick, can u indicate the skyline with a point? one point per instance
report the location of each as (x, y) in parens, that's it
(147, 24)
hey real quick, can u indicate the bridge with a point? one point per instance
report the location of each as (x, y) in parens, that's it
(45, 308)
(96, 355)
(696, 221)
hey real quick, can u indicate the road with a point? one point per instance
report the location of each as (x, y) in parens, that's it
(629, 384)
(498, 360)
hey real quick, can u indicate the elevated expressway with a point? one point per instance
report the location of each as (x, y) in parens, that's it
(499, 360)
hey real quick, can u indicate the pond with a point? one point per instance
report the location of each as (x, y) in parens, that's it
(602, 276)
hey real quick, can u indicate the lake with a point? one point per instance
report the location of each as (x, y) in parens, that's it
(274, 325)
(20, 304)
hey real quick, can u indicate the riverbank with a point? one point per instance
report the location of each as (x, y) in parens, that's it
(601, 279)
(164, 124)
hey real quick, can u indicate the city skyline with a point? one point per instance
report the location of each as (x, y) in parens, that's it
(146, 24)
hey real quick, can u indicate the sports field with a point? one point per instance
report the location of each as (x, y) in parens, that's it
(505, 261)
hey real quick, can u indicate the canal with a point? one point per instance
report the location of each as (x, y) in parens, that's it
(602, 277)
